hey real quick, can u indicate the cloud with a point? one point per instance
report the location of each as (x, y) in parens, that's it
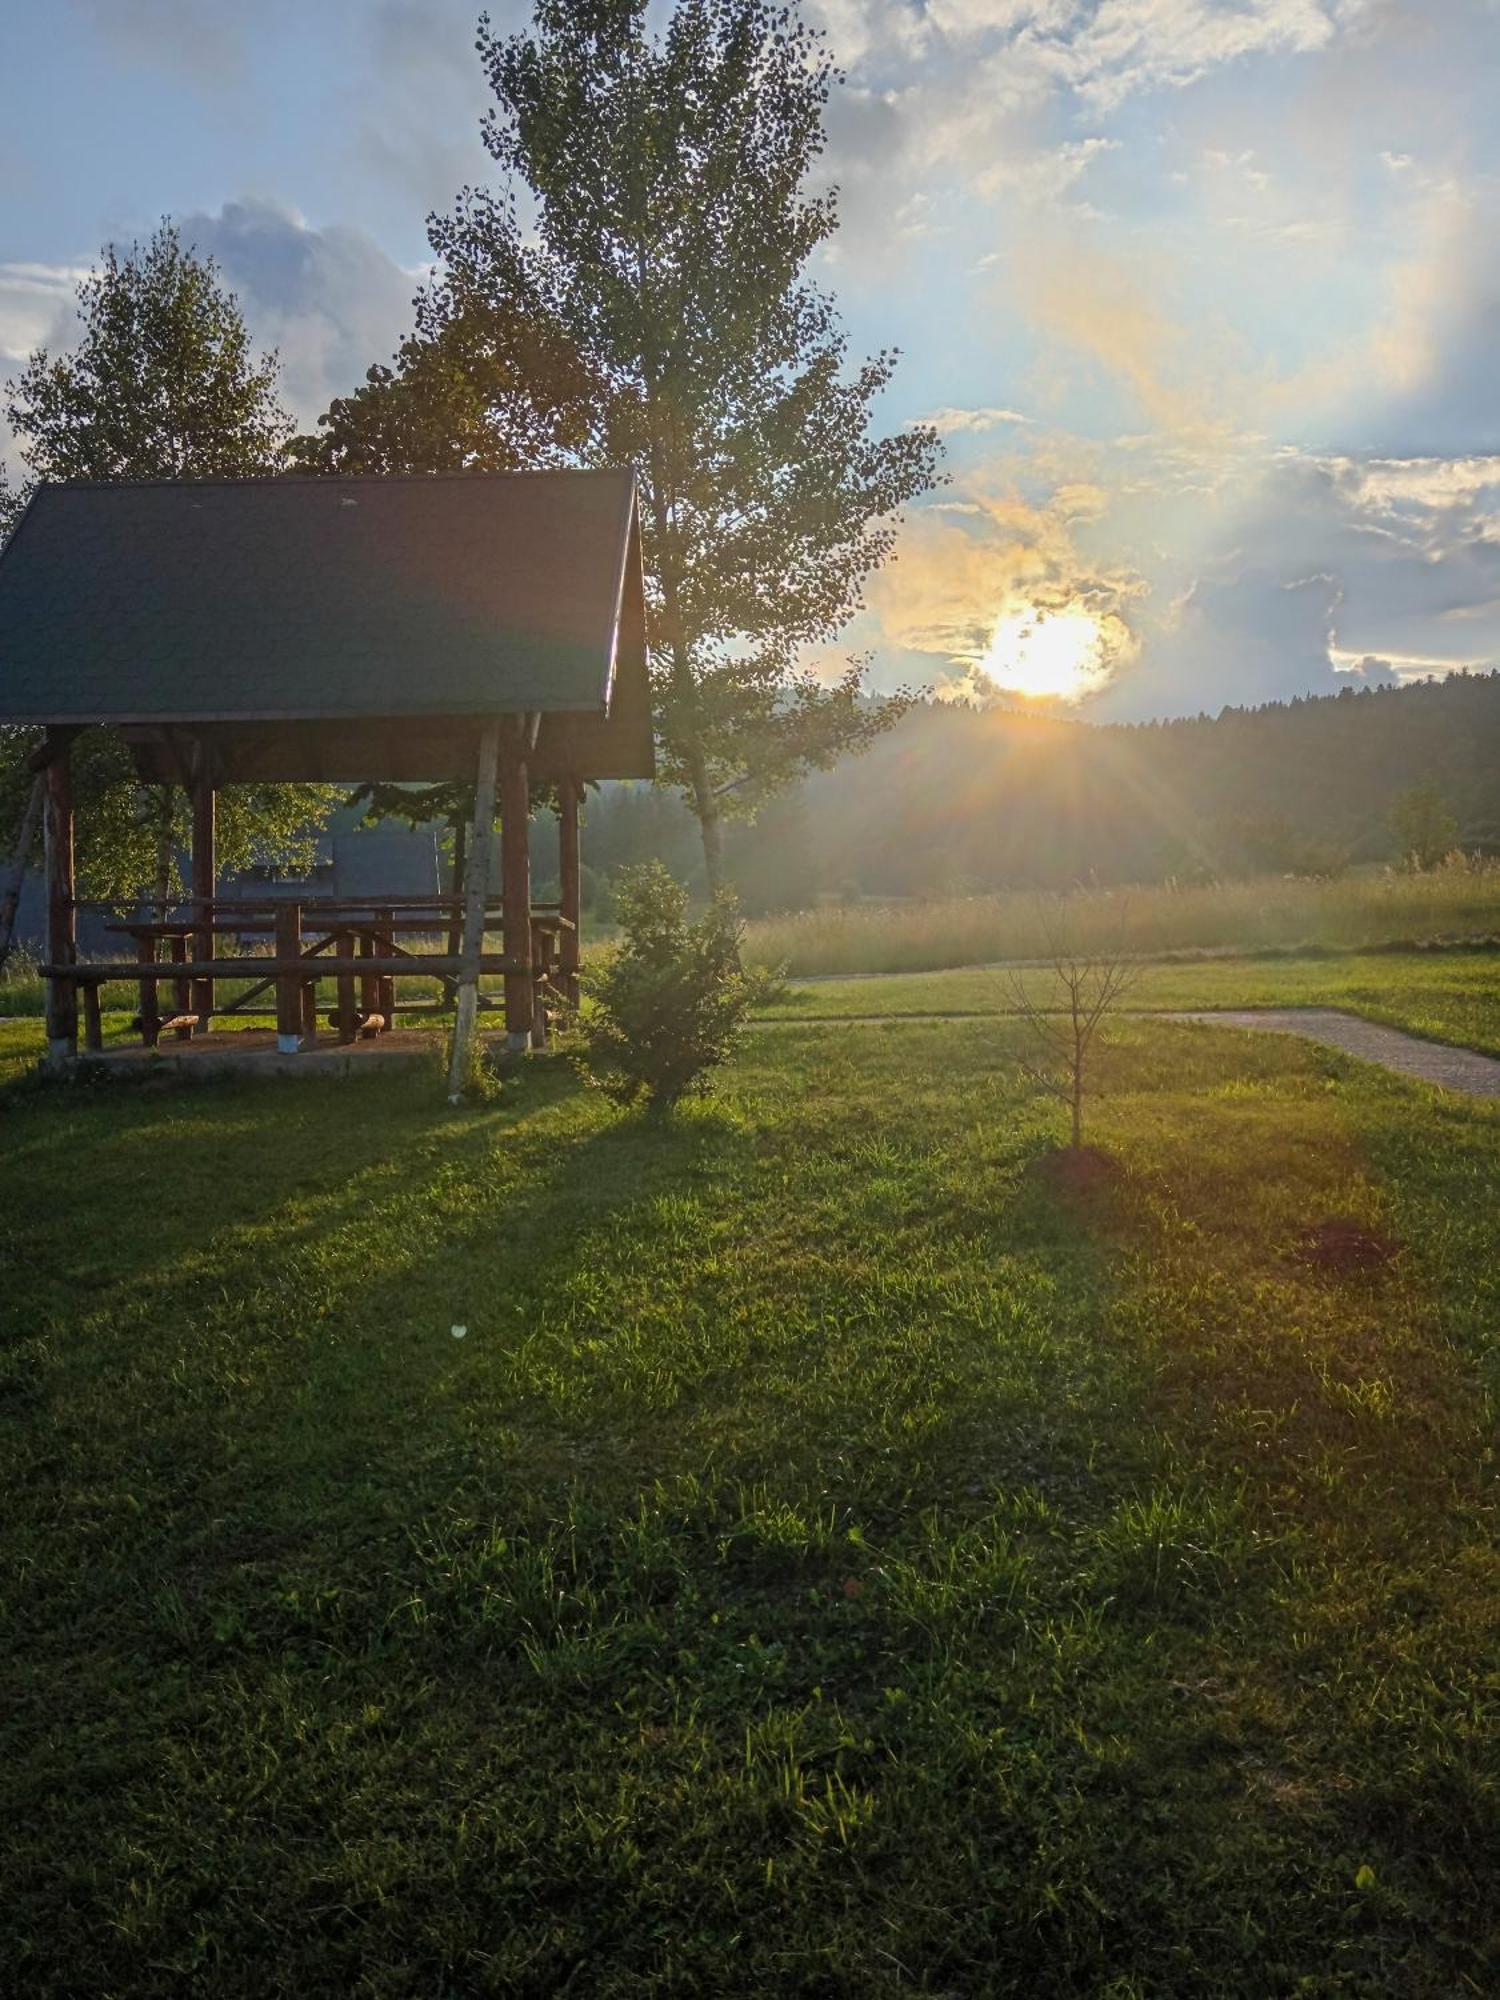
(1368, 672)
(962, 566)
(951, 422)
(1123, 47)
(1044, 176)
(36, 309)
(329, 300)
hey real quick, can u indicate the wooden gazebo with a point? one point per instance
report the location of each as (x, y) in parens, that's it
(312, 630)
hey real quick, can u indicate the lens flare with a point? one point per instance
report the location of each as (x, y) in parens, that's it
(1061, 655)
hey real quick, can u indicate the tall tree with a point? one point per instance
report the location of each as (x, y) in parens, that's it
(162, 384)
(655, 218)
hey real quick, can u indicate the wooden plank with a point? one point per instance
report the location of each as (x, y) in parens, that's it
(288, 980)
(62, 950)
(241, 1005)
(476, 889)
(415, 926)
(570, 794)
(515, 879)
(409, 965)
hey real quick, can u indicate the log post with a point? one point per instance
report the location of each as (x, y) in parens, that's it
(203, 868)
(343, 947)
(369, 983)
(515, 880)
(541, 974)
(386, 948)
(145, 951)
(568, 860)
(183, 991)
(309, 1000)
(476, 888)
(62, 937)
(288, 984)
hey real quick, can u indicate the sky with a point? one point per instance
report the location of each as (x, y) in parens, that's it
(1202, 295)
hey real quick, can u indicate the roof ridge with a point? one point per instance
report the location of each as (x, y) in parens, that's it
(326, 479)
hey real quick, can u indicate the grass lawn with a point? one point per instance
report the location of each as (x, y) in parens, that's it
(836, 1560)
(1451, 996)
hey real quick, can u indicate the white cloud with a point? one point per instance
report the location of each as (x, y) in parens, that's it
(950, 421)
(1046, 176)
(36, 309)
(329, 300)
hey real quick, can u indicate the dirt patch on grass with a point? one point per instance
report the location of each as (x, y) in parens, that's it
(1077, 1172)
(1345, 1249)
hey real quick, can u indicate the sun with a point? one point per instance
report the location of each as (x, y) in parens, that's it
(1061, 655)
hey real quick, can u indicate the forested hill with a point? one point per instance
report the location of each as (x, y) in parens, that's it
(953, 799)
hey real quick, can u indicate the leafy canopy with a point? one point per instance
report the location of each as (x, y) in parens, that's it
(652, 229)
(1425, 829)
(163, 384)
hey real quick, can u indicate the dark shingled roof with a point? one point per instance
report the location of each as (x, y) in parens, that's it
(265, 600)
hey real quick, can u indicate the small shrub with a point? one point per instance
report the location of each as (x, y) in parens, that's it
(662, 1010)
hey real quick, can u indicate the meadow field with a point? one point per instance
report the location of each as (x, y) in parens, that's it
(1360, 910)
(836, 1557)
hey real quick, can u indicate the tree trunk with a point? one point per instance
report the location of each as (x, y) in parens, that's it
(710, 825)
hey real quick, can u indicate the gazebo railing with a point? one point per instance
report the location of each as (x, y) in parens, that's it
(355, 943)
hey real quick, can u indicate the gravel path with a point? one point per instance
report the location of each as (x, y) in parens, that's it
(1407, 1055)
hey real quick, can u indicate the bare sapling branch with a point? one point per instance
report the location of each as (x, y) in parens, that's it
(1065, 1017)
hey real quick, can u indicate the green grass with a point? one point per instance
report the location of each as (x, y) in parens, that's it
(1450, 996)
(832, 1562)
(1271, 913)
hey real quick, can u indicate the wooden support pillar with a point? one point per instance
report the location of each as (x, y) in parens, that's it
(288, 984)
(62, 937)
(515, 879)
(309, 997)
(343, 946)
(476, 891)
(183, 990)
(203, 868)
(145, 951)
(93, 1025)
(369, 984)
(569, 949)
(385, 947)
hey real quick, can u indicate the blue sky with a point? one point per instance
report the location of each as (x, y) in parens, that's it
(1201, 292)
